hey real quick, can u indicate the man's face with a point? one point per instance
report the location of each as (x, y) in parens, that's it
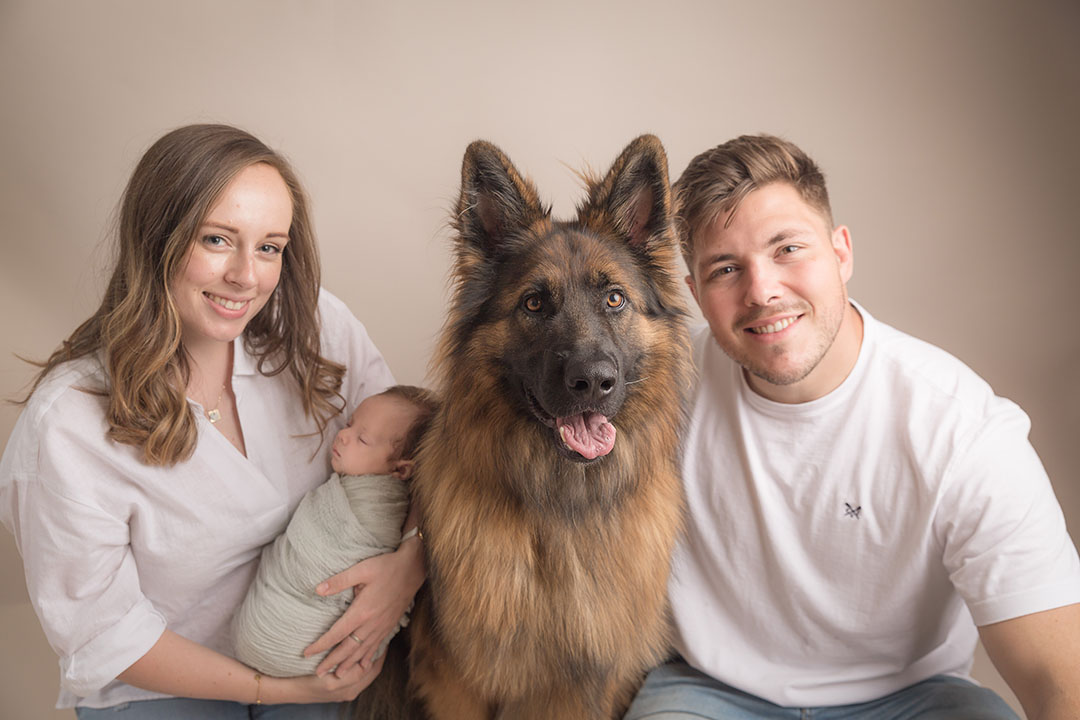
(772, 286)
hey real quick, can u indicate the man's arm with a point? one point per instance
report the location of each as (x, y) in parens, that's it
(1038, 655)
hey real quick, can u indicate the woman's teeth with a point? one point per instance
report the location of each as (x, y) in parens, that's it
(227, 304)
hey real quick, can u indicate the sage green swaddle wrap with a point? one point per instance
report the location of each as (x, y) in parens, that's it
(346, 519)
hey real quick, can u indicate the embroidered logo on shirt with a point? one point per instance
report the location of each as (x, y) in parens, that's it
(852, 512)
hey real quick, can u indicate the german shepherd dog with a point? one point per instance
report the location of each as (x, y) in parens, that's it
(549, 480)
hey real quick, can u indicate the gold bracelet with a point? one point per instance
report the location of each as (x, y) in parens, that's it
(258, 688)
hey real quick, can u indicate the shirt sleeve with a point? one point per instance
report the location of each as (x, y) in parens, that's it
(1006, 547)
(346, 341)
(80, 570)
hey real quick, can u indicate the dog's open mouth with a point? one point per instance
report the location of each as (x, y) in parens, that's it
(588, 434)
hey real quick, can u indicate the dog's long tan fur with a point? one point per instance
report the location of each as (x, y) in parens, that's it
(547, 577)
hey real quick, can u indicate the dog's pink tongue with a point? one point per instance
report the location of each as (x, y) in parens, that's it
(588, 434)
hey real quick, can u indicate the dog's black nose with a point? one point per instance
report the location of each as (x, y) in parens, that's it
(591, 379)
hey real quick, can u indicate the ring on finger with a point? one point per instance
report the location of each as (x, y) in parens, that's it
(356, 639)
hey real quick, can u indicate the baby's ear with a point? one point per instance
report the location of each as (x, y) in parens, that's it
(403, 469)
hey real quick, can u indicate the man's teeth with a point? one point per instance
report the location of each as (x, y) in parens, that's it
(775, 327)
(227, 304)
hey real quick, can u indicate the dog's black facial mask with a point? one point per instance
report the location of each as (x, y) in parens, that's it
(571, 345)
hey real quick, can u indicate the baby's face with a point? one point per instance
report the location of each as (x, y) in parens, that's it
(366, 445)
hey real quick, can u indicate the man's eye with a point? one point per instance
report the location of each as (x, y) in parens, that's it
(788, 249)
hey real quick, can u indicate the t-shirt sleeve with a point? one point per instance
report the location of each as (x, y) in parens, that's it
(80, 570)
(1006, 547)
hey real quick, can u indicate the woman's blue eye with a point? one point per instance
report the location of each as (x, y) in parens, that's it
(213, 240)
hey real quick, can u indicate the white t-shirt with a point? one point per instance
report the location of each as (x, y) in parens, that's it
(116, 550)
(838, 550)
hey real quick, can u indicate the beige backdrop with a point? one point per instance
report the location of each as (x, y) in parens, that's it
(947, 130)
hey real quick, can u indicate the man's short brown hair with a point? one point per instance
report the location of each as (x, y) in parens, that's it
(717, 180)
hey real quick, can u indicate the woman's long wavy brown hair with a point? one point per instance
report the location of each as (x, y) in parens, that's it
(137, 329)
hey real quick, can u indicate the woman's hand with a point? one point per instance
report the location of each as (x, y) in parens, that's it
(384, 587)
(178, 666)
(332, 687)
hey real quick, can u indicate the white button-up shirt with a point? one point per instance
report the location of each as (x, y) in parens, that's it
(116, 550)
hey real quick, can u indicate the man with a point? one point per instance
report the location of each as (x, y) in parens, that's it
(862, 507)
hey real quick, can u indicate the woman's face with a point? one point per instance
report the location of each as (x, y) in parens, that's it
(234, 264)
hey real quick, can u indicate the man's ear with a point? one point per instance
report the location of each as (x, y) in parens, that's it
(403, 469)
(693, 287)
(841, 242)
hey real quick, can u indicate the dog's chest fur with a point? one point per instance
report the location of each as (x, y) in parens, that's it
(532, 607)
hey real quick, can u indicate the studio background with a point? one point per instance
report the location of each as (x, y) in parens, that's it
(947, 131)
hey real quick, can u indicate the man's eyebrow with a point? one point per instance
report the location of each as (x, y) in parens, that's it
(780, 237)
(716, 259)
(783, 236)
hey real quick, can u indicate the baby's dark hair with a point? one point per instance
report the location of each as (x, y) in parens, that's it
(427, 403)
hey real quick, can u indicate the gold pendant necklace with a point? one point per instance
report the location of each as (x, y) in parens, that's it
(214, 414)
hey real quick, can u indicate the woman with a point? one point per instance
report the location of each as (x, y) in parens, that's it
(173, 434)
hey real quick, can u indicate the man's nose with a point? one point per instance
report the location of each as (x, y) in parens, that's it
(763, 284)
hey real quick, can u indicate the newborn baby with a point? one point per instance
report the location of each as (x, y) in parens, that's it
(354, 515)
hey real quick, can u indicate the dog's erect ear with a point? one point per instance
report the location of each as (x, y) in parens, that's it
(634, 198)
(496, 201)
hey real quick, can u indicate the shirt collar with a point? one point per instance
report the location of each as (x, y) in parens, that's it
(243, 362)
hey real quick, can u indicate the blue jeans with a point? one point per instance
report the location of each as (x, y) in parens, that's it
(677, 691)
(188, 709)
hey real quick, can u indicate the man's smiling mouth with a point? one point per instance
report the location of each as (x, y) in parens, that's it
(775, 327)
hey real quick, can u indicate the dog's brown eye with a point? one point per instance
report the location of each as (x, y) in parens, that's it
(533, 304)
(615, 299)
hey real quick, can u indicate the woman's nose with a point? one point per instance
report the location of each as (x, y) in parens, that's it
(241, 270)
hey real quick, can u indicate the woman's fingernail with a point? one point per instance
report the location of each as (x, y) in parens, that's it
(322, 588)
